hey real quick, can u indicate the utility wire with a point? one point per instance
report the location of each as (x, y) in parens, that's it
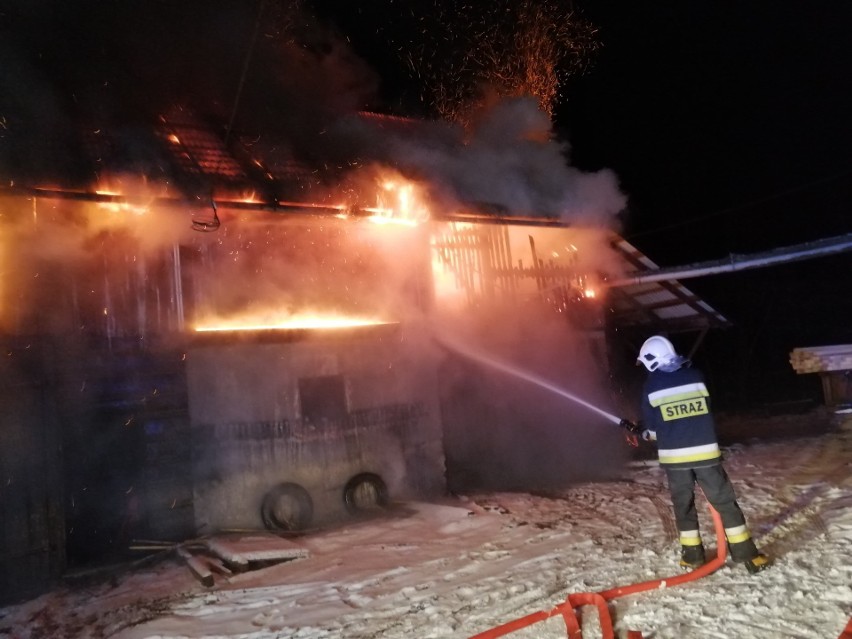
(244, 71)
(740, 207)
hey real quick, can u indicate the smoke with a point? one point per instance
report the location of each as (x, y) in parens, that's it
(254, 69)
(509, 160)
(503, 432)
(62, 230)
(273, 73)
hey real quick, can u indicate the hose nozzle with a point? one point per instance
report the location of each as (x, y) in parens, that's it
(630, 426)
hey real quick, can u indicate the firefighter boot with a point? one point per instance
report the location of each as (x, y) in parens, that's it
(692, 556)
(758, 563)
(745, 552)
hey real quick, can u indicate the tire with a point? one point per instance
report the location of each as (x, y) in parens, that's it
(365, 491)
(287, 507)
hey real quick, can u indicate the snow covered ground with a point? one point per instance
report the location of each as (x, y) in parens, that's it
(457, 568)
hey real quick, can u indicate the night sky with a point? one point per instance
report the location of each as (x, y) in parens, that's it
(728, 125)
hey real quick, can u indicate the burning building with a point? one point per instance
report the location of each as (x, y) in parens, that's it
(177, 368)
(210, 327)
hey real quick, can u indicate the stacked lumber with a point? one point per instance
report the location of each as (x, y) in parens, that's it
(817, 359)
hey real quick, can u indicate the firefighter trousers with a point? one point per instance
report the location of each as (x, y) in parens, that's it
(717, 487)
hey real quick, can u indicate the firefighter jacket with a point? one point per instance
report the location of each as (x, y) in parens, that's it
(676, 409)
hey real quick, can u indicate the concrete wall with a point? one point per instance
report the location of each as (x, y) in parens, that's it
(252, 429)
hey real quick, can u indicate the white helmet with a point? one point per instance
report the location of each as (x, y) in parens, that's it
(657, 351)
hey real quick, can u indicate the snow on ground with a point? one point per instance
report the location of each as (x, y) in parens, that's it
(457, 568)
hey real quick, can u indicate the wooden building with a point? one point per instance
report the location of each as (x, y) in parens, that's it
(212, 340)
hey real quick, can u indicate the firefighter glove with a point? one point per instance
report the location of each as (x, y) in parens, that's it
(632, 427)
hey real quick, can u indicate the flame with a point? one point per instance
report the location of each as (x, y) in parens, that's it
(247, 197)
(588, 286)
(286, 322)
(128, 194)
(120, 206)
(399, 201)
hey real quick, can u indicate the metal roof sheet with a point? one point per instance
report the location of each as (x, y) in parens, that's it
(665, 303)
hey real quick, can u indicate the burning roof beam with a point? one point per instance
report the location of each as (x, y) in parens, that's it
(277, 206)
(109, 198)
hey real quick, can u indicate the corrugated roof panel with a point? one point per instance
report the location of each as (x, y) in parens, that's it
(654, 297)
(669, 312)
(662, 301)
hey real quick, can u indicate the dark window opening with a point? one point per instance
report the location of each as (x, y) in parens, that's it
(323, 399)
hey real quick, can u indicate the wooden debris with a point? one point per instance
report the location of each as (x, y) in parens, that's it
(215, 564)
(197, 566)
(228, 554)
(240, 552)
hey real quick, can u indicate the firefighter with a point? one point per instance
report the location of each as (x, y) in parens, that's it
(676, 415)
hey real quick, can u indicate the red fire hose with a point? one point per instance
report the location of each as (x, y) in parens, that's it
(599, 599)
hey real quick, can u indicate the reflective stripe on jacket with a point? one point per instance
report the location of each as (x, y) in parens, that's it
(676, 406)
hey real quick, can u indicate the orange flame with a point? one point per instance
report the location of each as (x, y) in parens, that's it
(399, 201)
(128, 194)
(286, 322)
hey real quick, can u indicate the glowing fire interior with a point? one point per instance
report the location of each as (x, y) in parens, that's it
(302, 321)
(399, 201)
(265, 273)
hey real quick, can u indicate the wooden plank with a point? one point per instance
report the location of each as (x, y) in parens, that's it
(197, 567)
(238, 551)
